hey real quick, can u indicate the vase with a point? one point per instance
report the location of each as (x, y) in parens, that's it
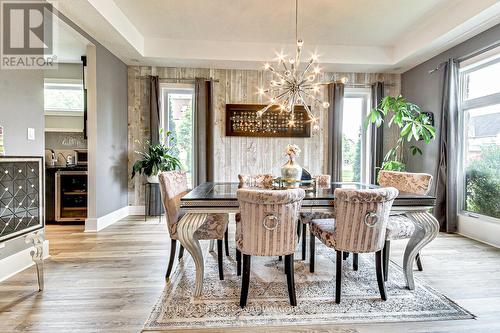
(291, 171)
(153, 179)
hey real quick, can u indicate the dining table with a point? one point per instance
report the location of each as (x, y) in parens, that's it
(220, 197)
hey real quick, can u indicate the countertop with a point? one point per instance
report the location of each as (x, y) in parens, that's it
(64, 167)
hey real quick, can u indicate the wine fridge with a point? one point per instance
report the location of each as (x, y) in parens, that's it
(71, 196)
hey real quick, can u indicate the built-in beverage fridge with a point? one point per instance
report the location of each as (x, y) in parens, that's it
(71, 196)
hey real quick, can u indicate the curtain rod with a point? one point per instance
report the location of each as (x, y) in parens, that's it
(177, 79)
(468, 56)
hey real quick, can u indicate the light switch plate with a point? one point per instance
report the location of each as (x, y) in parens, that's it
(31, 133)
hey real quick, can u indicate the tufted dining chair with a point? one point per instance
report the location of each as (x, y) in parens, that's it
(173, 186)
(360, 224)
(267, 228)
(322, 181)
(400, 226)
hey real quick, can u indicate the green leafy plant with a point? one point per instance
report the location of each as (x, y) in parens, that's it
(482, 182)
(157, 158)
(413, 123)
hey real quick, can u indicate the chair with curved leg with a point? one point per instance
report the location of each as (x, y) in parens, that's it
(400, 226)
(360, 223)
(268, 228)
(173, 186)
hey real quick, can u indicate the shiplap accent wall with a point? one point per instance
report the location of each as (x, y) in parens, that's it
(234, 155)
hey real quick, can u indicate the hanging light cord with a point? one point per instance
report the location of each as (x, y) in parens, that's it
(296, 20)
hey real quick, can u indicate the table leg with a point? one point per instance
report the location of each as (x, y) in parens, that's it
(426, 229)
(36, 240)
(186, 229)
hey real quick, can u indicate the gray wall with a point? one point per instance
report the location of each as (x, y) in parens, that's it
(65, 71)
(21, 106)
(425, 90)
(112, 133)
(112, 127)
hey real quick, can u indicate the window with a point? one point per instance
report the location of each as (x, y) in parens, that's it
(177, 117)
(480, 125)
(63, 97)
(354, 137)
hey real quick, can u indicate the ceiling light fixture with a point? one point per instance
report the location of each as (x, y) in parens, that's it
(292, 86)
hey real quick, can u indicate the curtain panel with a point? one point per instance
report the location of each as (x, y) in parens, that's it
(446, 209)
(203, 132)
(335, 111)
(377, 134)
(154, 109)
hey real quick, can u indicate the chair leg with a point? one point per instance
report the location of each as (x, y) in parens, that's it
(386, 257)
(338, 277)
(290, 278)
(355, 261)
(173, 247)
(219, 259)
(226, 242)
(419, 262)
(238, 262)
(299, 228)
(280, 258)
(181, 252)
(345, 255)
(245, 281)
(304, 233)
(380, 275)
(312, 245)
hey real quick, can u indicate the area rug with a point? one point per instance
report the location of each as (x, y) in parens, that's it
(268, 305)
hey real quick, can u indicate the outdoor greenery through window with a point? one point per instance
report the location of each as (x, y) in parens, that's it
(353, 138)
(480, 113)
(63, 96)
(177, 101)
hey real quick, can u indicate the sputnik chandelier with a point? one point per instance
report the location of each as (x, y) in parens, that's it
(293, 86)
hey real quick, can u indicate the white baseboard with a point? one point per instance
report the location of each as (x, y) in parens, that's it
(19, 261)
(479, 229)
(97, 224)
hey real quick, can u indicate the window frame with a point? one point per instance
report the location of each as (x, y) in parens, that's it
(463, 107)
(63, 112)
(366, 95)
(165, 87)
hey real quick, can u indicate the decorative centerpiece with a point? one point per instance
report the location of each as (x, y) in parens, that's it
(291, 171)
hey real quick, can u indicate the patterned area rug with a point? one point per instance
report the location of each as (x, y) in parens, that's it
(268, 298)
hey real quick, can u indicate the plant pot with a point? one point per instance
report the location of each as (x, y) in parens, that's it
(153, 179)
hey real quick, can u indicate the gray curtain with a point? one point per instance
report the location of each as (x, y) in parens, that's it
(446, 182)
(377, 135)
(336, 100)
(203, 132)
(154, 103)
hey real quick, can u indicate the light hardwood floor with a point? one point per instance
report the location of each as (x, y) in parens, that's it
(109, 282)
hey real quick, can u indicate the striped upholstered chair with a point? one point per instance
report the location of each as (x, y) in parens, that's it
(173, 186)
(267, 228)
(360, 223)
(400, 226)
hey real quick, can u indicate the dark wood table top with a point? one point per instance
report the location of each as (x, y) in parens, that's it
(219, 193)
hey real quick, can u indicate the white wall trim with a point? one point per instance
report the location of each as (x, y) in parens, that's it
(97, 224)
(19, 261)
(479, 229)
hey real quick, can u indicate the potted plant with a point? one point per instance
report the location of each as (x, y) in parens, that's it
(413, 123)
(156, 158)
